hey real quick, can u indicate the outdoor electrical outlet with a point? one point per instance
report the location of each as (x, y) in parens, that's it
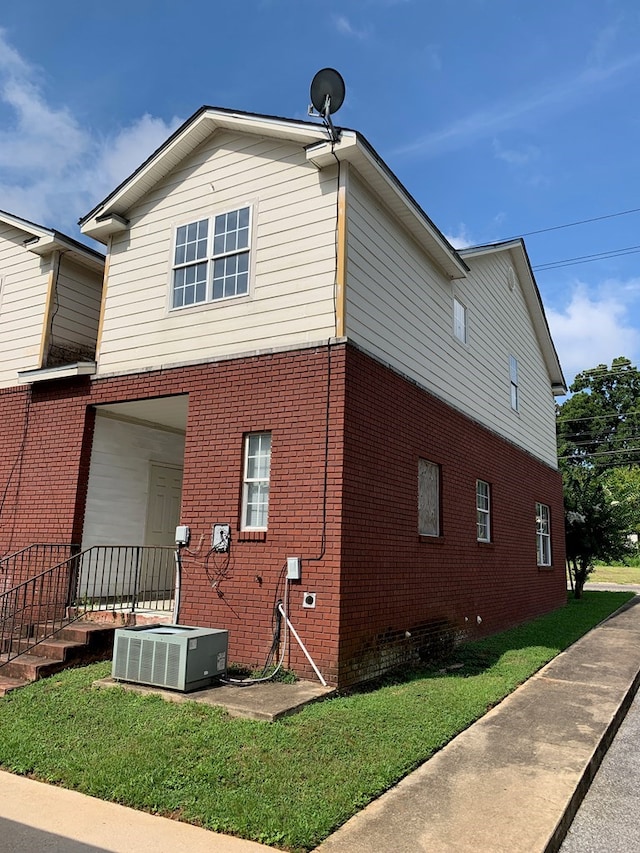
(309, 599)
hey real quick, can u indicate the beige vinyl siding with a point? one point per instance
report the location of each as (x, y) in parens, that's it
(23, 296)
(292, 258)
(75, 312)
(400, 309)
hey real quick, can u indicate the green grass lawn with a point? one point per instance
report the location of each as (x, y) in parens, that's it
(615, 574)
(290, 783)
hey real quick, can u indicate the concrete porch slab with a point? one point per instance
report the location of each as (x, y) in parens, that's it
(269, 701)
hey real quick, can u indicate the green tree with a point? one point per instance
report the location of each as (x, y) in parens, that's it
(599, 452)
(596, 527)
(599, 425)
(622, 485)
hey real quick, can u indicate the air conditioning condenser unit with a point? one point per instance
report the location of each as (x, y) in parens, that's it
(178, 657)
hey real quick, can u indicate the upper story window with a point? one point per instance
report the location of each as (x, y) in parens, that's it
(513, 375)
(543, 534)
(459, 321)
(255, 487)
(428, 498)
(211, 259)
(483, 510)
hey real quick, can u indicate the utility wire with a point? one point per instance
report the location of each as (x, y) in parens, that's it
(584, 456)
(587, 259)
(571, 224)
(569, 419)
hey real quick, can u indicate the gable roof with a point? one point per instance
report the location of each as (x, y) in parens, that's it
(42, 241)
(520, 259)
(109, 216)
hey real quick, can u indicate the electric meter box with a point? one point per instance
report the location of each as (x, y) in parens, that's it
(177, 657)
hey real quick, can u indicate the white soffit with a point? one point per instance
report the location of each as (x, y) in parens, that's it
(164, 412)
(64, 371)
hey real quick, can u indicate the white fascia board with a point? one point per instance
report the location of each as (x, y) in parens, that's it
(43, 241)
(36, 231)
(64, 371)
(397, 200)
(520, 260)
(105, 219)
(55, 241)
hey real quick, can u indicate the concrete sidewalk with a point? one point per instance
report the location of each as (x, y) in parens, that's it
(511, 783)
(36, 817)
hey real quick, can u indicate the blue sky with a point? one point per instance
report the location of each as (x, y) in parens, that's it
(501, 117)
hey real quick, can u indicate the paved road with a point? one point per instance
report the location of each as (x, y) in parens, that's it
(608, 821)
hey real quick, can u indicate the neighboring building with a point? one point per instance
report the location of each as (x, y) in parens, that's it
(289, 346)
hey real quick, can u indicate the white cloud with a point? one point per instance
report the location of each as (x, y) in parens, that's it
(52, 169)
(542, 103)
(516, 156)
(594, 330)
(345, 28)
(460, 239)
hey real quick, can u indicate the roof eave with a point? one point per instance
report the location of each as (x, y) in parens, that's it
(353, 148)
(43, 241)
(180, 144)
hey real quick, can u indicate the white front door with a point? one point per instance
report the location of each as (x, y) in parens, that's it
(163, 515)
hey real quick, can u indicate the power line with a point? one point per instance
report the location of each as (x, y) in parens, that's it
(569, 419)
(571, 224)
(585, 456)
(587, 259)
(596, 373)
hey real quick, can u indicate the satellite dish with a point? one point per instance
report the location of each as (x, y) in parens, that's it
(327, 92)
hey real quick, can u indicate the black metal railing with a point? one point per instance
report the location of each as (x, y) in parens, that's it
(31, 561)
(122, 578)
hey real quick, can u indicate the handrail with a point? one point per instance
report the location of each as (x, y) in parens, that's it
(124, 578)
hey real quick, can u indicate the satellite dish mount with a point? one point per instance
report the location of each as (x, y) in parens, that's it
(327, 96)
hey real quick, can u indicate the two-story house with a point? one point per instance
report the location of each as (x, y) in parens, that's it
(289, 349)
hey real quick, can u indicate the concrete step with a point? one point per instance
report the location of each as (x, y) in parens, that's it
(80, 642)
(29, 667)
(77, 643)
(8, 684)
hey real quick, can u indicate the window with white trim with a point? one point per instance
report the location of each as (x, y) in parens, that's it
(483, 510)
(459, 320)
(543, 534)
(255, 485)
(513, 376)
(428, 498)
(211, 259)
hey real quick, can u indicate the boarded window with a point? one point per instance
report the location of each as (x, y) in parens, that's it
(428, 498)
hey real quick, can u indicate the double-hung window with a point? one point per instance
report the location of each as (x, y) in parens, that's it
(513, 375)
(483, 510)
(211, 259)
(459, 321)
(543, 534)
(255, 487)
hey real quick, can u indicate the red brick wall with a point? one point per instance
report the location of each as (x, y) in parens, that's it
(396, 583)
(46, 485)
(375, 579)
